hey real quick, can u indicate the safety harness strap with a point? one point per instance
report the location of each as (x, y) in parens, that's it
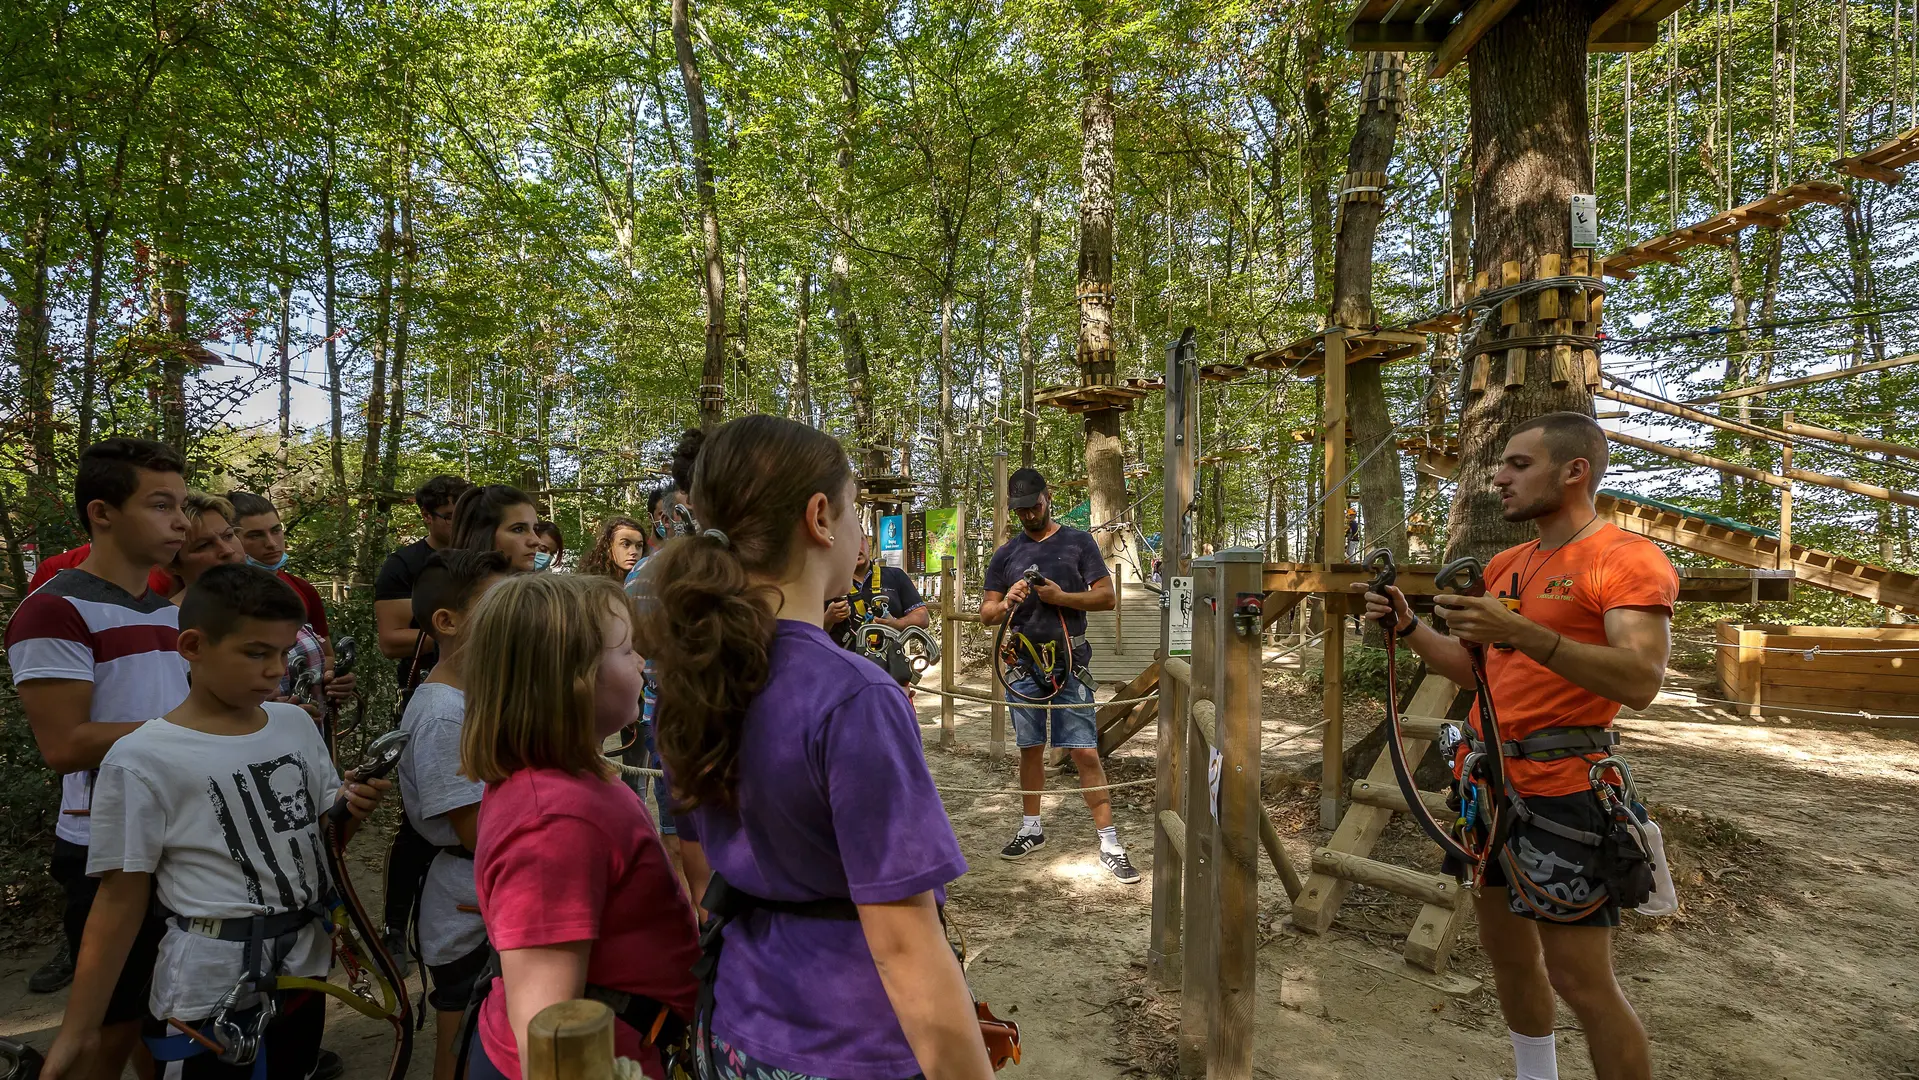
(1556, 743)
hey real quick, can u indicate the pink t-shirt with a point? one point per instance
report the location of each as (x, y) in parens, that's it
(566, 858)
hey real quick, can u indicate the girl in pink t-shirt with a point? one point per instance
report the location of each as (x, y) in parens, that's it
(573, 883)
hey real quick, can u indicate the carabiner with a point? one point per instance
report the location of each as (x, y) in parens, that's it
(1464, 577)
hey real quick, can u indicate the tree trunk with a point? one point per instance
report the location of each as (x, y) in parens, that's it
(739, 293)
(1316, 161)
(1382, 494)
(328, 309)
(1028, 363)
(1726, 445)
(285, 357)
(1531, 153)
(1442, 372)
(946, 462)
(172, 279)
(849, 53)
(402, 337)
(800, 404)
(376, 392)
(35, 319)
(1105, 456)
(713, 369)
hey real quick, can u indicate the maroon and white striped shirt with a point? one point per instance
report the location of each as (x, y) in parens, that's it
(78, 626)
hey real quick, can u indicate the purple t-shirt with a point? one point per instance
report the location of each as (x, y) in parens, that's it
(834, 801)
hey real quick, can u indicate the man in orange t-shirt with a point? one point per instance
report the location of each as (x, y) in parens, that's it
(1591, 631)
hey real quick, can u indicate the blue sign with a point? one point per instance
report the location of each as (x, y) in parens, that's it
(893, 533)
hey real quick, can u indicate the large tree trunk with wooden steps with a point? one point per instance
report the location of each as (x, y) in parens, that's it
(1531, 153)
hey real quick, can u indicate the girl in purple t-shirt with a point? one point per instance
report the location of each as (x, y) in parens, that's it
(801, 781)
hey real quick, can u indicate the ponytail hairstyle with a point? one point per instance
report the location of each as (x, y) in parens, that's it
(706, 625)
(477, 516)
(599, 559)
(533, 648)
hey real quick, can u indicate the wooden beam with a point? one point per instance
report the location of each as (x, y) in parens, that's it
(949, 651)
(1199, 989)
(1693, 457)
(1436, 889)
(1268, 833)
(1626, 37)
(1626, 397)
(570, 1040)
(1481, 17)
(1230, 1044)
(1808, 380)
(1878, 446)
(1394, 36)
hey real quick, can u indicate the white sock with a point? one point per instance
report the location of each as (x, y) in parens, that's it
(1534, 1056)
(1109, 840)
(1029, 825)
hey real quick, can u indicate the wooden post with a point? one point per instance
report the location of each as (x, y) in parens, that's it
(1784, 559)
(949, 651)
(1333, 527)
(570, 1040)
(1199, 985)
(959, 563)
(1237, 855)
(1163, 949)
(1000, 533)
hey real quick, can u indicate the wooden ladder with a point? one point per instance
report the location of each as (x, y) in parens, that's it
(1347, 857)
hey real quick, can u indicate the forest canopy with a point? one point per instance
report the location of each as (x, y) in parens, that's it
(331, 248)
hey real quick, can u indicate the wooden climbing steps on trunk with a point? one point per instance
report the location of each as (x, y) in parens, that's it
(1883, 162)
(1347, 860)
(1719, 230)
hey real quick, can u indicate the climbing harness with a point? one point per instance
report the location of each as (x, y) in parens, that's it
(1039, 661)
(1487, 806)
(726, 904)
(659, 1026)
(18, 1061)
(905, 652)
(235, 1032)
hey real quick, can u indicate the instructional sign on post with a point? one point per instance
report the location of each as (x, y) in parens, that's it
(1585, 211)
(1179, 615)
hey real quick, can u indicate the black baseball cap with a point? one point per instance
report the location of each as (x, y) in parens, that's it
(1024, 488)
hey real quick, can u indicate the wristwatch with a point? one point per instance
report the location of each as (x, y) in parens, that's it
(1407, 632)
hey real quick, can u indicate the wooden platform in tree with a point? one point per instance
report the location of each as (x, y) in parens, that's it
(1307, 356)
(1450, 28)
(1719, 230)
(1083, 399)
(1883, 162)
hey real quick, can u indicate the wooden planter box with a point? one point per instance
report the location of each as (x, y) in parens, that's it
(1830, 669)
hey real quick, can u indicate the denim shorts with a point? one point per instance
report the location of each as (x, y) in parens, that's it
(1072, 729)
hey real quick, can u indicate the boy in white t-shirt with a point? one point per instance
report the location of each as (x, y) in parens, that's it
(442, 805)
(214, 810)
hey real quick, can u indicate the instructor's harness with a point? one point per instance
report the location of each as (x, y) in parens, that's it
(1487, 805)
(236, 1030)
(1038, 661)
(726, 904)
(906, 653)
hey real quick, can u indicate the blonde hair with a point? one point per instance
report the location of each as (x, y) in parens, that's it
(199, 502)
(532, 659)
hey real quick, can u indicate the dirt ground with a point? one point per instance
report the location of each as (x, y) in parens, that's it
(1796, 954)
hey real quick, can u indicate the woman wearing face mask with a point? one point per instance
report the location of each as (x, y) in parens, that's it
(619, 545)
(499, 517)
(552, 546)
(798, 770)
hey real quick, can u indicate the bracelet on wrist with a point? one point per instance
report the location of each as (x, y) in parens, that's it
(1554, 651)
(1407, 631)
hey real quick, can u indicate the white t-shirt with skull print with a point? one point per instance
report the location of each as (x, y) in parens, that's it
(228, 825)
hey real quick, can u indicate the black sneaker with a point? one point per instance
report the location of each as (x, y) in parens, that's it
(52, 975)
(1022, 845)
(1120, 865)
(327, 1066)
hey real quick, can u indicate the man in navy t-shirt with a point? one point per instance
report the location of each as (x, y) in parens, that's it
(880, 593)
(1046, 632)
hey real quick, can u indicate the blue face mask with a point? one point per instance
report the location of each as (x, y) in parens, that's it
(275, 565)
(542, 560)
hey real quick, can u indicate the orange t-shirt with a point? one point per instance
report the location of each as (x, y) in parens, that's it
(1568, 589)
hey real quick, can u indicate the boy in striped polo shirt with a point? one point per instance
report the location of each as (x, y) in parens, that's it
(93, 655)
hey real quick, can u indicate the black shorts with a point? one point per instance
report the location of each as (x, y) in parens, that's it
(291, 1043)
(129, 999)
(1561, 866)
(453, 982)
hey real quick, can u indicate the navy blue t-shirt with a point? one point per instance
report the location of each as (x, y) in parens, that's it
(1069, 558)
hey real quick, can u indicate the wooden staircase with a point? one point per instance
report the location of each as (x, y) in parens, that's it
(1890, 588)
